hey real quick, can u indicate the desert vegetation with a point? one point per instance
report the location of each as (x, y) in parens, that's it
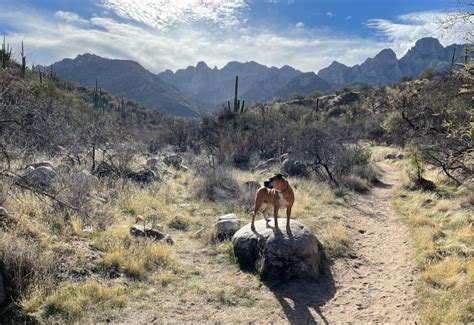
(79, 168)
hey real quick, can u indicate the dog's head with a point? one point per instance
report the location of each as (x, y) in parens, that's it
(277, 182)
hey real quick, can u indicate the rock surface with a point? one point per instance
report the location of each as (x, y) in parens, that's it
(277, 254)
(40, 176)
(84, 180)
(292, 167)
(3, 213)
(227, 226)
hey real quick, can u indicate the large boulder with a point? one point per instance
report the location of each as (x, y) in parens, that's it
(292, 167)
(277, 254)
(43, 176)
(227, 226)
(84, 180)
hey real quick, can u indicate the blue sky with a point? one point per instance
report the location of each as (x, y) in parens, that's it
(161, 34)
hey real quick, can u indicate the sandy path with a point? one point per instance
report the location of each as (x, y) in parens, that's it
(377, 285)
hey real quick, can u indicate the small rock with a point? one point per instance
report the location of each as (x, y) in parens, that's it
(88, 229)
(227, 226)
(143, 176)
(251, 187)
(292, 167)
(42, 164)
(3, 213)
(148, 232)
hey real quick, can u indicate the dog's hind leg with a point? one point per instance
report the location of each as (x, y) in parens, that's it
(257, 206)
(266, 213)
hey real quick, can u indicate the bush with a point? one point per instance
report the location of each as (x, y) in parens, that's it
(179, 223)
(26, 265)
(216, 184)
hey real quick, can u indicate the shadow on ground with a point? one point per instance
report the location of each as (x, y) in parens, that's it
(298, 299)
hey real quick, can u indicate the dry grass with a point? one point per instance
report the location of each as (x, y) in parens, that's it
(191, 270)
(71, 301)
(444, 240)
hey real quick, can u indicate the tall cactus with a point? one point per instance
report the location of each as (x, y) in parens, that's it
(5, 53)
(23, 61)
(238, 107)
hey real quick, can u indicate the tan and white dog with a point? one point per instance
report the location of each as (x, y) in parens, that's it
(276, 194)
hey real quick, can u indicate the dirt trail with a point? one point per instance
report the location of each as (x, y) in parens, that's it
(377, 285)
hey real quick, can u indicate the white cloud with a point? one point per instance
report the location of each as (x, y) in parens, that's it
(69, 17)
(48, 39)
(299, 25)
(329, 14)
(409, 28)
(162, 14)
(348, 17)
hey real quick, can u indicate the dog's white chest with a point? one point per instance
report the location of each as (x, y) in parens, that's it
(282, 201)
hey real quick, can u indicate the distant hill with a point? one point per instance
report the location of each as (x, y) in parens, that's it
(385, 68)
(306, 84)
(127, 77)
(201, 88)
(214, 87)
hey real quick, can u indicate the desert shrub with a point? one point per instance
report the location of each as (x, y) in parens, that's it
(216, 184)
(416, 171)
(436, 120)
(179, 223)
(26, 265)
(136, 260)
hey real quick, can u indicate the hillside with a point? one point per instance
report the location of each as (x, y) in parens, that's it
(385, 68)
(128, 78)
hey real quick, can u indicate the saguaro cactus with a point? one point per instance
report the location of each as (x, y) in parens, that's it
(5, 53)
(23, 61)
(238, 107)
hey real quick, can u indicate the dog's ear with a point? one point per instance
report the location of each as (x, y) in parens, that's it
(279, 176)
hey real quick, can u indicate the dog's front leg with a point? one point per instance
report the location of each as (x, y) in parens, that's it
(275, 215)
(288, 216)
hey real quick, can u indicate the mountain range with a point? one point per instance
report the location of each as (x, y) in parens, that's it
(186, 92)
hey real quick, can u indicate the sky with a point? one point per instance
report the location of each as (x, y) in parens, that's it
(174, 34)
